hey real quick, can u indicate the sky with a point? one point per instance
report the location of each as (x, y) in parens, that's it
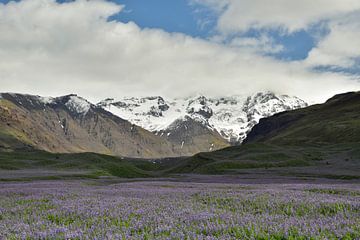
(99, 49)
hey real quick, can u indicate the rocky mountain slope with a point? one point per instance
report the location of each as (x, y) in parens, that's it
(229, 118)
(72, 124)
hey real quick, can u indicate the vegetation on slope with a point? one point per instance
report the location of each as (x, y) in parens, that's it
(87, 164)
(337, 121)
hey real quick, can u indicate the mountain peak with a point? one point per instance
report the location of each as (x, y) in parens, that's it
(77, 104)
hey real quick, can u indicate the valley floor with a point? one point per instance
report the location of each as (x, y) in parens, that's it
(186, 207)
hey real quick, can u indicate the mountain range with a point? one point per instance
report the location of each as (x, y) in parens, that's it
(149, 127)
(230, 117)
(49, 136)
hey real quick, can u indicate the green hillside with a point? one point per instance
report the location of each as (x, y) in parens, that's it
(334, 122)
(81, 165)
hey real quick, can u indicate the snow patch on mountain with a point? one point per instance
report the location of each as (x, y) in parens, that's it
(46, 100)
(152, 113)
(72, 102)
(78, 104)
(233, 117)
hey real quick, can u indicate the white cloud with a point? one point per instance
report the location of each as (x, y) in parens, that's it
(341, 47)
(289, 15)
(262, 44)
(49, 48)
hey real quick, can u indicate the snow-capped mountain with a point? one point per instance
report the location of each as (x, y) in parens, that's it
(232, 117)
(149, 127)
(71, 124)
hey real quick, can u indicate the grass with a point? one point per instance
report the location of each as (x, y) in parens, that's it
(95, 165)
(177, 210)
(268, 156)
(341, 192)
(264, 204)
(222, 167)
(227, 161)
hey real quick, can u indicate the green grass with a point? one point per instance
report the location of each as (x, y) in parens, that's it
(247, 157)
(227, 161)
(95, 165)
(265, 204)
(270, 156)
(341, 192)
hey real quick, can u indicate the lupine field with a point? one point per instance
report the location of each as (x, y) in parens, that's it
(174, 210)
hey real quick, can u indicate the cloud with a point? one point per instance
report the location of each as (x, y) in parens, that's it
(50, 48)
(341, 19)
(290, 16)
(341, 46)
(262, 44)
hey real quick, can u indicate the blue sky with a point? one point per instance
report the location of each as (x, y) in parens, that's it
(172, 16)
(182, 16)
(169, 15)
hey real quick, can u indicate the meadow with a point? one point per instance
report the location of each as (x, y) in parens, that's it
(95, 209)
